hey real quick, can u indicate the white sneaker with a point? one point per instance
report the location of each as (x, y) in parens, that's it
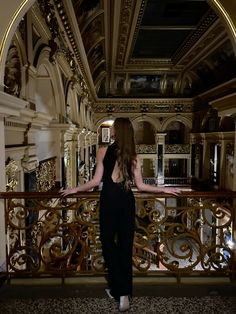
(124, 303)
(108, 292)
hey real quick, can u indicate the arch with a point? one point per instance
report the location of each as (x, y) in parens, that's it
(55, 78)
(227, 10)
(44, 91)
(187, 122)
(70, 100)
(84, 107)
(82, 111)
(38, 53)
(153, 121)
(227, 124)
(10, 18)
(101, 121)
(145, 133)
(88, 118)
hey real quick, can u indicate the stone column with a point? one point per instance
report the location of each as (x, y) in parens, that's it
(80, 149)
(193, 153)
(206, 160)
(222, 164)
(69, 155)
(160, 148)
(87, 154)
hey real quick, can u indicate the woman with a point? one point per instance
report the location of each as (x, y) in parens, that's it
(117, 166)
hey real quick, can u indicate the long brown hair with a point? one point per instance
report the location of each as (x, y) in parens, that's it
(126, 153)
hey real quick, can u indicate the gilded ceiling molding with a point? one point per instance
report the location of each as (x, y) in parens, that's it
(162, 64)
(167, 63)
(218, 33)
(65, 21)
(126, 13)
(191, 41)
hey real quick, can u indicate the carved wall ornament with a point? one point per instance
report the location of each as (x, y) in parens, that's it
(230, 149)
(12, 78)
(48, 13)
(22, 27)
(46, 175)
(11, 169)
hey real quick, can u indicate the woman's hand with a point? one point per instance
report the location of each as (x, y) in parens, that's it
(68, 191)
(172, 191)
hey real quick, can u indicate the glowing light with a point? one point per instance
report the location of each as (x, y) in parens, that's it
(108, 122)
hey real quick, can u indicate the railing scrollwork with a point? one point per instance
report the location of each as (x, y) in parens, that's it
(49, 235)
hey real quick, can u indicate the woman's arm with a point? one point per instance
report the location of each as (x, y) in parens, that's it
(141, 186)
(95, 181)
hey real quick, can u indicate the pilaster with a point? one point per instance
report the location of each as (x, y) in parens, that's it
(2, 188)
(234, 161)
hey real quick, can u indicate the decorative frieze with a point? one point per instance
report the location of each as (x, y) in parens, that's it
(146, 149)
(177, 149)
(147, 105)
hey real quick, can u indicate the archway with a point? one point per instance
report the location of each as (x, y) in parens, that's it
(10, 17)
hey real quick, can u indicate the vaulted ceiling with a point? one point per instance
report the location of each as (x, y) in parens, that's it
(153, 48)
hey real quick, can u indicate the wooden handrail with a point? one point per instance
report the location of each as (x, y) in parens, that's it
(55, 194)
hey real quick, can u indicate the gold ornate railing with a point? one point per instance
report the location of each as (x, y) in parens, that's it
(191, 234)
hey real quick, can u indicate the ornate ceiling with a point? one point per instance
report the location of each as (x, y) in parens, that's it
(151, 48)
(147, 48)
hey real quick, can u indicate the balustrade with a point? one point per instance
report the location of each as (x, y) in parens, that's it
(174, 181)
(177, 149)
(193, 233)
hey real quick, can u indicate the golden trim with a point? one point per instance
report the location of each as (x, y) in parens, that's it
(9, 27)
(226, 16)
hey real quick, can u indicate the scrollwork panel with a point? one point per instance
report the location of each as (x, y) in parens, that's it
(54, 236)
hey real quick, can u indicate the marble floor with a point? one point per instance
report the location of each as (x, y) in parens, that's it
(91, 298)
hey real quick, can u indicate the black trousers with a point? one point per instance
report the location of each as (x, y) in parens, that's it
(117, 222)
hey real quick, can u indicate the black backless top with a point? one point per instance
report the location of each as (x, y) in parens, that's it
(113, 194)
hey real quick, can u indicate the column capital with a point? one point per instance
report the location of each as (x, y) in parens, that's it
(160, 138)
